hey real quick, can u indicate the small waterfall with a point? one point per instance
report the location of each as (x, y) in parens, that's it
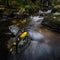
(45, 12)
(34, 22)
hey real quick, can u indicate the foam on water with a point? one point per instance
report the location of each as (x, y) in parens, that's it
(46, 12)
(36, 21)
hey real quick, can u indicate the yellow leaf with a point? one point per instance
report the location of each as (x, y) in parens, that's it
(24, 34)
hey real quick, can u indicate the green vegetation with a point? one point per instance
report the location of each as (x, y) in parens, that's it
(28, 7)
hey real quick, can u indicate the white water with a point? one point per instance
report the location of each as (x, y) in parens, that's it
(35, 22)
(34, 35)
(46, 12)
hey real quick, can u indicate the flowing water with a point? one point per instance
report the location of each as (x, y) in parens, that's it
(45, 43)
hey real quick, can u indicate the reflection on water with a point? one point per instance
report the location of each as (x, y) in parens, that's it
(49, 49)
(51, 36)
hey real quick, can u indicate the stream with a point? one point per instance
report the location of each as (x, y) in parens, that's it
(45, 43)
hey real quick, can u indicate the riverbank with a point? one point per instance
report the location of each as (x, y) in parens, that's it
(55, 29)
